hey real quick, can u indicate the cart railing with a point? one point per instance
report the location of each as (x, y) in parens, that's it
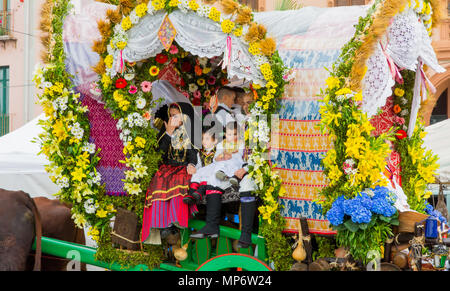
(86, 254)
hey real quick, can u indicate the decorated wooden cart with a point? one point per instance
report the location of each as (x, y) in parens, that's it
(335, 126)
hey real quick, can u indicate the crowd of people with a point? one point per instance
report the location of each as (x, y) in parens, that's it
(189, 174)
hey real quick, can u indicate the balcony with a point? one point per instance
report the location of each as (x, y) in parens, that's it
(5, 23)
(4, 124)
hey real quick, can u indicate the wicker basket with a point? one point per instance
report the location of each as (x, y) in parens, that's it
(408, 220)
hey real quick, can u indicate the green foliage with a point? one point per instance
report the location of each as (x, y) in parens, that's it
(325, 247)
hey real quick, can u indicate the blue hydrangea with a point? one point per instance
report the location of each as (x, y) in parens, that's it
(383, 207)
(364, 200)
(335, 215)
(350, 206)
(429, 209)
(361, 215)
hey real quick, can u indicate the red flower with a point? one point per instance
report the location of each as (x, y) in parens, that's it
(401, 134)
(182, 83)
(186, 67)
(161, 58)
(121, 83)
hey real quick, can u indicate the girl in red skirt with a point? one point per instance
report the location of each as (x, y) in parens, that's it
(164, 205)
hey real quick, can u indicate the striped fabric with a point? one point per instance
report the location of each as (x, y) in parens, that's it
(310, 48)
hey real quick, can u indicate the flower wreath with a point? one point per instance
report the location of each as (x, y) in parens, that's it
(357, 160)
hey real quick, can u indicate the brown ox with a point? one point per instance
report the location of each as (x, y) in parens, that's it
(57, 223)
(19, 226)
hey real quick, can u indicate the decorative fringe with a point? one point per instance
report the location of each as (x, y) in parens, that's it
(268, 46)
(244, 15)
(104, 27)
(256, 32)
(114, 15)
(126, 6)
(230, 6)
(100, 67)
(46, 30)
(437, 13)
(379, 26)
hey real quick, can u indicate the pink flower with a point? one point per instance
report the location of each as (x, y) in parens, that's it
(212, 80)
(186, 94)
(197, 94)
(146, 86)
(173, 49)
(133, 89)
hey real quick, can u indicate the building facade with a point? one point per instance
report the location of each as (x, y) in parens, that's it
(19, 52)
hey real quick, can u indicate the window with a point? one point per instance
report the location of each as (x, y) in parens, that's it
(349, 2)
(5, 17)
(4, 102)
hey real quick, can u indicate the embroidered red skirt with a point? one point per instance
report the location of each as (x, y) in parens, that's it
(164, 204)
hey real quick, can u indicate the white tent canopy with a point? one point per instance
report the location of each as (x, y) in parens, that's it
(21, 168)
(438, 140)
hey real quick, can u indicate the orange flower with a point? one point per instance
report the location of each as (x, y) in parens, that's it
(397, 109)
(224, 82)
(198, 70)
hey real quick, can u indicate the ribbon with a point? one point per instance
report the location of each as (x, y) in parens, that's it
(120, 63)
(420, 94)
(227, 56)
(395, 72)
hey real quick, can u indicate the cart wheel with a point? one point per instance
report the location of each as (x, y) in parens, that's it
(227, 261)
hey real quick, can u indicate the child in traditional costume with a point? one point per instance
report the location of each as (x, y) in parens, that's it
(164, 205)
(205, 158)
(227, 160)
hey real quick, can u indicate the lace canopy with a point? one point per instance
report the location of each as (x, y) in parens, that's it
(406, 42)
(198, 35)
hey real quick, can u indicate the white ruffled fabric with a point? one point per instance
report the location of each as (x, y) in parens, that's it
(407, 41)
(198, 35)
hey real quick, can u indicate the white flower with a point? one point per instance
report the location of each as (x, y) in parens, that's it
(133, 17)
(120, 123)
(204, 10)
(77, 131)
(184, 6)
(129, 77)
(193, 88)
(88, 147)
(140, 103)
(203, 61)
(62, 182)
(47, 84)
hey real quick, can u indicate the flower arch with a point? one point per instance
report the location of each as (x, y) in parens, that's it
(124, 83)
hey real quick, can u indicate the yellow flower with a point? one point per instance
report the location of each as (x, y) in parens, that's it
(201, 82)
(109, 61)
(206, 70)
(78, 174)
(158, 4)
(227, 26)
(343, 91)
(141, 9)
(193, 5)
(140, 142)
(101, 213)
(59, 130)
(173, 3)
(106, 80)
(154, 71)
(399, 92)
(254, 48)
(121, 45)
(126, 23)
(214, 14)
(238, 32)
(332, 82)
(358, 97)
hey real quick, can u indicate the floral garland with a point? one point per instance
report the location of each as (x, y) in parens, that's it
(418, 165)
(65, 141)
(118, 98)
(356, 163)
